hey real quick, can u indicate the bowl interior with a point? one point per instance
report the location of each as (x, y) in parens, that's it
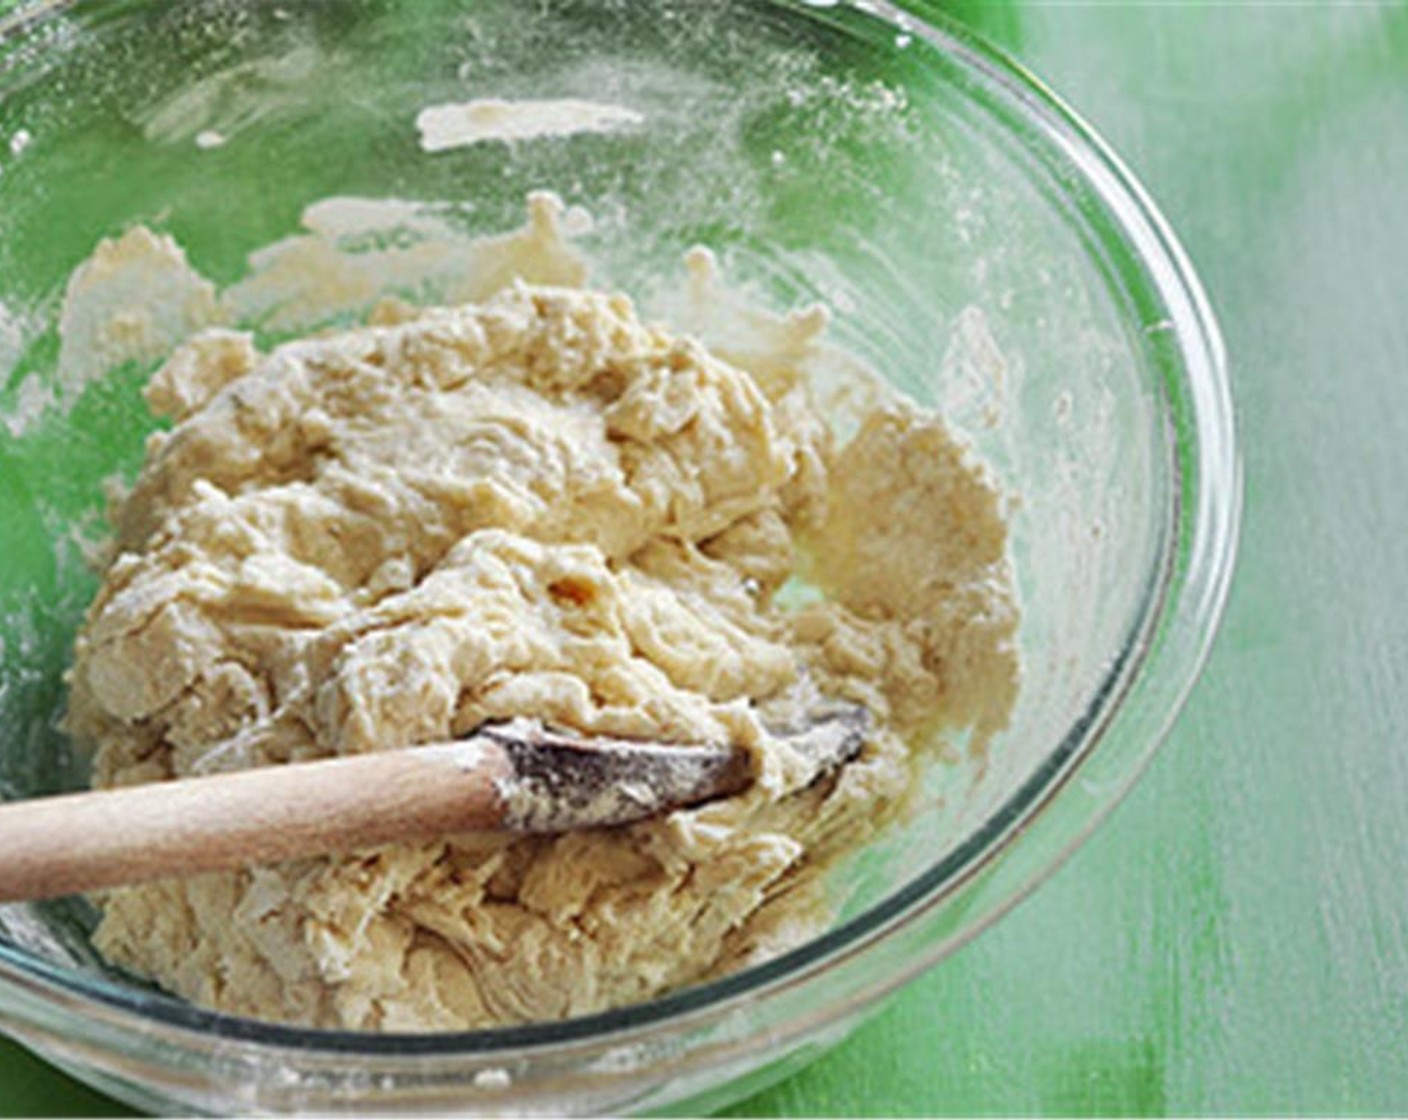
(823, 152)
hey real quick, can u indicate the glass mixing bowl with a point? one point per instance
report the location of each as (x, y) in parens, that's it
(979, 246)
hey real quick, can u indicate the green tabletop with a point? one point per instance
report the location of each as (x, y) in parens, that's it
(1235, 939)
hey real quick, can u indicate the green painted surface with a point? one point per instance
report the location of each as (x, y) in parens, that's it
(1235, 939)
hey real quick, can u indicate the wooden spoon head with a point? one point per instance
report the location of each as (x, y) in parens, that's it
(561, 782)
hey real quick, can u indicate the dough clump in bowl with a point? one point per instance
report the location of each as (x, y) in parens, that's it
(533, 504)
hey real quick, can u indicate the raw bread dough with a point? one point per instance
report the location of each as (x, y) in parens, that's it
(533, 505)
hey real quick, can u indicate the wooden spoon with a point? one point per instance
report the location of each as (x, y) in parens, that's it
(515, 777)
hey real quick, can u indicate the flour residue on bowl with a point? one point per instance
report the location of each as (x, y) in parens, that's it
(460, 124)
(229, 101)
(11, 341)
(133, 300)
(357, 251)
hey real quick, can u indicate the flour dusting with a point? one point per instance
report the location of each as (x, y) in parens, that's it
(443, 127)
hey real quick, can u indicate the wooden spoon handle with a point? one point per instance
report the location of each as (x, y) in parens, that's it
(61, 845)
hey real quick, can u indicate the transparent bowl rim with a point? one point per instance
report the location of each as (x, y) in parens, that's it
(1203, 544)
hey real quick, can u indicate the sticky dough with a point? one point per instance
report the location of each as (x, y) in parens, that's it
(532, 505)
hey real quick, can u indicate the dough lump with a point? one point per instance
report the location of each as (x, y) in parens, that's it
(533, 505)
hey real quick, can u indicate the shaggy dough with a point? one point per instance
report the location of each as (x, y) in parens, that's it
(533, 505)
